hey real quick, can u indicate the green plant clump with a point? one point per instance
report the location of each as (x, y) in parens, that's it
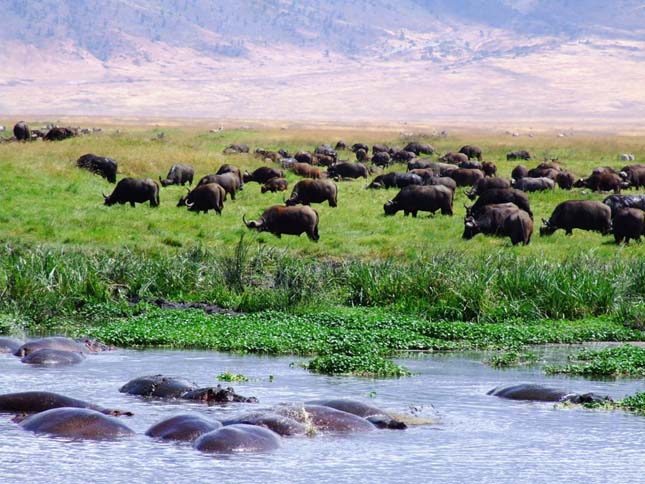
(512, 358)
(360, 365)
(626, 360)
(232, 377)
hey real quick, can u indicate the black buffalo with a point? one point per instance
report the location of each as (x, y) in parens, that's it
(202, 198)
(453, 158)
(360, 146)
(565, 180)
(235, 149)
(304, 157)
(326, 150)
(471, 151)
(381, 158)
(628, 223)
(634, 176)
(500, 195)
(489, 168)
(21, 131)
(396, 180)
(528, 184)
(615, 202)
(59, 134)
(602, 181)
(502, 220)
(262, 175)
(134, 190)
(414, 198)
(275, 185)
(464, 176)
(178, 175)
(380, 148)
(403, 156)
(228, 181)
(226, 168)
(518, 155)
(306, 192)
(280, 220)
(419, 148)
(520, 171)
(578, 214)
(106, 167)
(484, 184)
(347, 170)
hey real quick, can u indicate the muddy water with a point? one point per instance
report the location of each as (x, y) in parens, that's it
(476, 438)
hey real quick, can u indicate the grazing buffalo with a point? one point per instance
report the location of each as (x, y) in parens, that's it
(404, 156)
(59, 134)
(518, 172)
(204, 197)
(440, 180)
(381, 158)
(528, 184)
(228, 181)
(464, 176)
(453, 158)
(489, 168)
(484, 184)
(362, 155)
(500, 195)
(396, 180)
(471, 151)
(565, 180)
(423, 164)
(105, 167)
(539, 393)
(518, 155)
(634, 176)
(323, 160)
(262, 175)
(347, 170)
(178, 175)
(470, 164)
(578, 214)
(306, 170)
(380, 148)
(614, 202)
(304, 157)
(183, 428)
(602, 182)
(359, 146)
(275, 185)
(414, 198)
(340, 145)
(134, 190)
(628, 223)
(306, 192)
(280, 220)
(235, 149)
(21, 131)
(419, 148)
(502, 220)
(326, 150)
(226, 168)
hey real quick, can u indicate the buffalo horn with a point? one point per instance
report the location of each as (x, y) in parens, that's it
(104, 195)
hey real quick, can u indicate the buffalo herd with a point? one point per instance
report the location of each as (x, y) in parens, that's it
(500, 206)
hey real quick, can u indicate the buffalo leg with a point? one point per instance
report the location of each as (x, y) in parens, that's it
(132, 204)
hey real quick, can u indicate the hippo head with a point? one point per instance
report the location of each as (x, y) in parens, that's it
(587, 398)
(470, 228)
(547, 228)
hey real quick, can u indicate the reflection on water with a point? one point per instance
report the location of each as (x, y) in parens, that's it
(478, 438)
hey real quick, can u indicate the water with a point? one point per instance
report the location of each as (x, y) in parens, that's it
(477, 438)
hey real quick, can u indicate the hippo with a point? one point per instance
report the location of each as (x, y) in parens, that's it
(158, 386)
(9, 345)
(326, 419)
(238, 438)
(161, 386)
(76, 423)
(280, 424)
(50, 357)
(376, 416)
(183, 428)
(540, 393)
(52, 342)
(36, 401)
(94, 345)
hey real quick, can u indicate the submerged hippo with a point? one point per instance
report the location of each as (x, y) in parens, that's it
(238, 438)
(95, 345)
(54, 343)
(76, 423)
(280, 424)
(326, 419)
(34, 402)
(9, 345)
(540, 393)
(376, 416)
(171, 387)
(184, 428)
(49, 357)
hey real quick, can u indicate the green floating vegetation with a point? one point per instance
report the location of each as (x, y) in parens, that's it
(366, 365)
(227, 376)
(507, 359)
(631, 403)
(626, 360)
